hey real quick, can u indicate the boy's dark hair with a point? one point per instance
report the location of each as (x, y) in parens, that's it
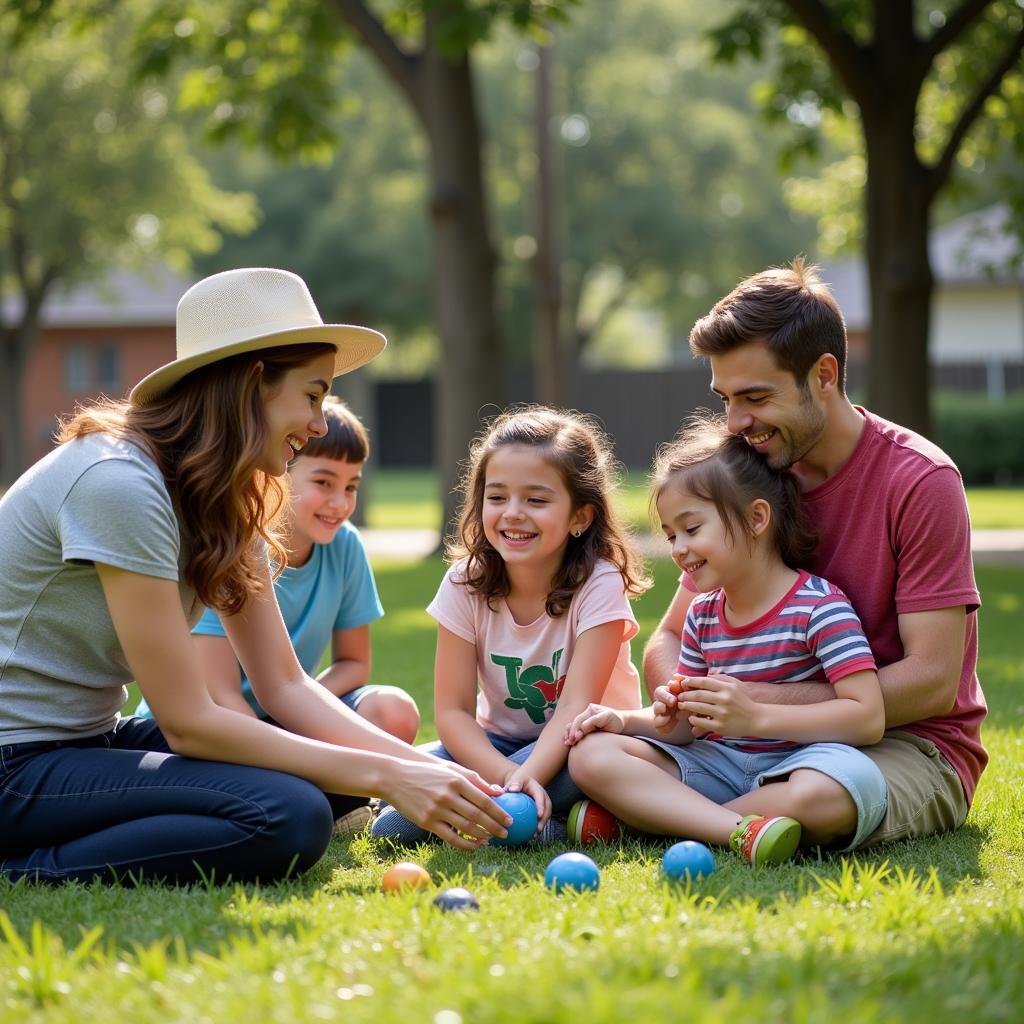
(790, 309)
(718, 466)
(346, 439)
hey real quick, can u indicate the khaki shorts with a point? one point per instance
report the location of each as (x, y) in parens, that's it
(925, 792)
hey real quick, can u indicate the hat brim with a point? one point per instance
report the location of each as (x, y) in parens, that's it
(355, 346)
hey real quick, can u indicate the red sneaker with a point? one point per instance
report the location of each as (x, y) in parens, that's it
(589, 822)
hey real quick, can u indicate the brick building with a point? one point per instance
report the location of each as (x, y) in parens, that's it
(97, 339)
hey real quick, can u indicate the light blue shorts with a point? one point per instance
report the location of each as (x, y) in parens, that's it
(722, 773)
(353, 697)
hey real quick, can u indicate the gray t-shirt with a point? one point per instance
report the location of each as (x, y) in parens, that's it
(95, 499)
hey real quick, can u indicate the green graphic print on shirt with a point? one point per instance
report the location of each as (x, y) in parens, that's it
(535, 689)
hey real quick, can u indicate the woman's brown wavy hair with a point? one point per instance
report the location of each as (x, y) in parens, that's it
(206, 435)
(578, 448)
(715, 465)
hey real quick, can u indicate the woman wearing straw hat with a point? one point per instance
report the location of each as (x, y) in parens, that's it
(148, 510)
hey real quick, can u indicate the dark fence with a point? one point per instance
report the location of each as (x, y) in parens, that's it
(639, 409)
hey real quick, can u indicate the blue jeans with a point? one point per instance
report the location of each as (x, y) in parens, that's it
(122, 806)
(561, 789)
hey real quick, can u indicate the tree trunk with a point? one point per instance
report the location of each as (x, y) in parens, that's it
(10, 400)
(549, 369)
(899, 275)
(470, 373)
(15, 347)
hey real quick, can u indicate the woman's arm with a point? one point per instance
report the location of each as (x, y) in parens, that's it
(856, 716)
(221, 672)
(350, 661)
(455, 688)
(151, 628)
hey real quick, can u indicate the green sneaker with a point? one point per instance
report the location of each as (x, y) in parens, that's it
(759, 840)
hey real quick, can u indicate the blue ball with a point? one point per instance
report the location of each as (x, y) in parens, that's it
(523, 812)
(456, 899)
(572, 871)
(687, 860)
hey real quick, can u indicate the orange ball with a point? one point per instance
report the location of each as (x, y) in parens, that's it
(404, 875)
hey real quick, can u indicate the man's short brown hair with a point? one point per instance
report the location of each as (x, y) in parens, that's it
(790, 309)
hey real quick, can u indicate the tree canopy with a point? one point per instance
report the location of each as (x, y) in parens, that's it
(927, 87)
(94, 174)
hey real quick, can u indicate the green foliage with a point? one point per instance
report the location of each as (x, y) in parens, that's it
(96, 173)
(353, 228)
(982, 436)
(666, 203)
(266, 73)
(273, 74)
(807, 96)
(463, 24)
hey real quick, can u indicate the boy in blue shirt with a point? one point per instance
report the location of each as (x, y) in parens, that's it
(327, 593)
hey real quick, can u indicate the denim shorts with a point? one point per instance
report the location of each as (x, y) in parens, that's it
(722, 773)
(353, 698)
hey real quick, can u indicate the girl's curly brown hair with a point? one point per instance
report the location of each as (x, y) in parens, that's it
(576, 446)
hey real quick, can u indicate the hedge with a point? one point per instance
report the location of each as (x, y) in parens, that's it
(984, 438)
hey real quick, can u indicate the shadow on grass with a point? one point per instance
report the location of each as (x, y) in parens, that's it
(952, 857)
(210, 918)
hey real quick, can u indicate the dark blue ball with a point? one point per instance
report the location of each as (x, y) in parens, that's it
(572, 871)
(456, 899)
(523, 812)
(687, 860)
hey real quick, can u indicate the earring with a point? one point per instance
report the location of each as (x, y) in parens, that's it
(577, 534)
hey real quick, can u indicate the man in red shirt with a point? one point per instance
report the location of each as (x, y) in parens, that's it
(894, 534)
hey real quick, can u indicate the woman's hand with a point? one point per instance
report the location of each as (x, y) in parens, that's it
(451, 801)
(596, 717)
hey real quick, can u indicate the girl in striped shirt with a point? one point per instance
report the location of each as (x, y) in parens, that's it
(706, 761)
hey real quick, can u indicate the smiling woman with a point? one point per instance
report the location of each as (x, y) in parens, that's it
(149, 509)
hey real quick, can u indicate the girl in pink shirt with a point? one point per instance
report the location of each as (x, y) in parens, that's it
(533, 616)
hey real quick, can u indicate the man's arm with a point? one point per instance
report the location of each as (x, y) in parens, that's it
(661, 655)
(661, 659)
(925, 680)
(921, 684)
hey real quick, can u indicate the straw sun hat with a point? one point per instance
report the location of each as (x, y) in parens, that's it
(253, 308)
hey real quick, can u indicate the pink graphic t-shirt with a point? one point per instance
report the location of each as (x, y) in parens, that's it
(521, 668)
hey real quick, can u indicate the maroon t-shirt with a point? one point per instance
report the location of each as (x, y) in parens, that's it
(895, 535)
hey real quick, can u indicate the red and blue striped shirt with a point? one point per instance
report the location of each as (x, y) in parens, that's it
(812, 635)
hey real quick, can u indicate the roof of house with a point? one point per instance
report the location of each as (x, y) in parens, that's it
(120, 299)
(978, 248)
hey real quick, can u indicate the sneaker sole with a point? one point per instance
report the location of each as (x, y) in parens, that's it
(354, 822)
(776, 843)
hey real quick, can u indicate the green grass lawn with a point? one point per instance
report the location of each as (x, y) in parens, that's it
(408, 499)
(929, 931)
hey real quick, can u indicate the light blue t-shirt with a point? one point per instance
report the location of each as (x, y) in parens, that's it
(334, 590)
